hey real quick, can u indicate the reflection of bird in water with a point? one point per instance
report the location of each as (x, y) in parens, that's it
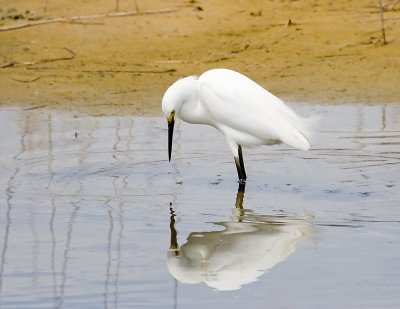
(249, 245)
(242, 110)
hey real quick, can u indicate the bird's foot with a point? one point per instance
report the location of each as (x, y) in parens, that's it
(242, 184)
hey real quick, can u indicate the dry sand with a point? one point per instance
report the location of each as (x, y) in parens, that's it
(329, 52)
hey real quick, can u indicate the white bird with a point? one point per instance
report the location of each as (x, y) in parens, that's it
(242, 252)
(246, 113)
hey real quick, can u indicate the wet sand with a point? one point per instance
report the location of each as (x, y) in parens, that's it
(329, 52)
(95, 216)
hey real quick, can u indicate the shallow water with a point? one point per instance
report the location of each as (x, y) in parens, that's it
(93, 216)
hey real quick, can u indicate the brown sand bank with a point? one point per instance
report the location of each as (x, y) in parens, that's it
(329, 52)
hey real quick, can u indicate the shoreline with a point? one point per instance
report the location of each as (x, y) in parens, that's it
(328, 53)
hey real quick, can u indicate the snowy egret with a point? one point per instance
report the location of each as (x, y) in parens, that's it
(240, 253)
(242, 110)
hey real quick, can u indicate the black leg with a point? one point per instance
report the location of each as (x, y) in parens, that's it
(242, 186)
(240, 167)
(242, 163)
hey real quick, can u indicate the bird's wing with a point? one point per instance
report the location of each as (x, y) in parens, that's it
(236, 102)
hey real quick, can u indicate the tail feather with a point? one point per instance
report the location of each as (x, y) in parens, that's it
(300, 133)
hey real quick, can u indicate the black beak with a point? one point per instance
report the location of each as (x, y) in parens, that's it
(170, 135)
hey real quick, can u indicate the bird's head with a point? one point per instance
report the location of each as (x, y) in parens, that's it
(178, 100)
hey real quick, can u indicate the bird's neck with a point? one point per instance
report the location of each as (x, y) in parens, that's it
(191, 110)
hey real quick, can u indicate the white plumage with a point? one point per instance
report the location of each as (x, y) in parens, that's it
(240, 253)
(242, 110)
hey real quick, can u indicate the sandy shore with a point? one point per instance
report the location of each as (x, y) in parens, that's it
(318, 51)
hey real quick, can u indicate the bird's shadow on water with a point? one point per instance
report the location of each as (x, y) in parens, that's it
(249, 245)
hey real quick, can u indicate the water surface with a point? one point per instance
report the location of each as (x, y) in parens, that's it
(92, 215)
